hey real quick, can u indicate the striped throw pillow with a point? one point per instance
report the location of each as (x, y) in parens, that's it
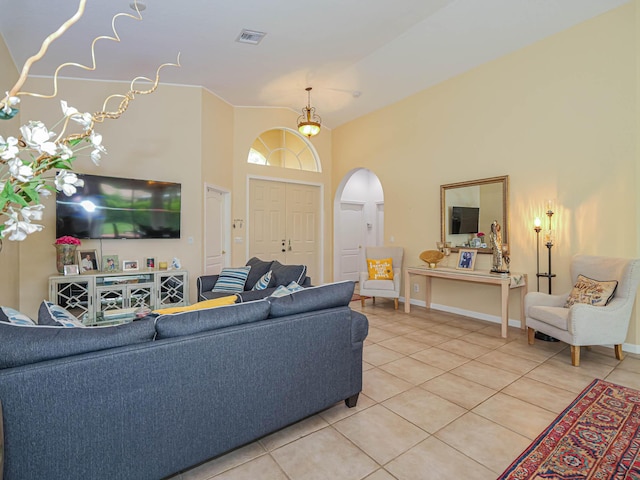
(232, 280)
(263, 282)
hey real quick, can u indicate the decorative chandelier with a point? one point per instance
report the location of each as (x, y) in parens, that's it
(309, 122)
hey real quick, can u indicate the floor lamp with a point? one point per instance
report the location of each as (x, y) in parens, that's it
(548, 275)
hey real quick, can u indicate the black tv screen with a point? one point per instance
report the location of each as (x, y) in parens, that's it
(464, 219)
(111, 207)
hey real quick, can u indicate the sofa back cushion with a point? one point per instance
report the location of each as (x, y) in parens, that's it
(313, 298)
(22, 345)
(188, 323)
(285, 274)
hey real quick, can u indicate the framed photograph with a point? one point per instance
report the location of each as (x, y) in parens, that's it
(110, 263)
(150, 262)
(466, 259)
(71, 270)
(88, 260)
(129, 265)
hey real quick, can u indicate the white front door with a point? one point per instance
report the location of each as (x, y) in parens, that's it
(351, 240)
(216, 231)
(285, 223)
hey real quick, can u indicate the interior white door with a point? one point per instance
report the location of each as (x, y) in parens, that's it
(352, 235)
(216, 231)
(303, 212)
(380, 223)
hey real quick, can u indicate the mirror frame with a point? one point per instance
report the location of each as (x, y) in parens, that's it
(504, 222)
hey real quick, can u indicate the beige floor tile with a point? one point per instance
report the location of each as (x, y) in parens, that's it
(594, 364)
(489, 341)
(376, 335)
(379, 355)
(380, 475)
(225, 462)
(624, 378)
(507, 362)
(434, 459)
(404, 345)
(380, 385)
(470, 324)
(485, 441)
(293, 432)
(559, 376)
(398, 328)
(538, 352)
(449, 330)
(411, 370)
(537, 393)
(515, 414)
(424, 409)
(630, 364)
(367, 366)
(465, 349)
(440, 358)
(262, 467)
(486, 375)
(340, 410)
(428, 337)
(380, 433)
(458, 390)
(322, 455)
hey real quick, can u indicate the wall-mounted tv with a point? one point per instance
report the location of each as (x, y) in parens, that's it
(464, 219)
(111, 207)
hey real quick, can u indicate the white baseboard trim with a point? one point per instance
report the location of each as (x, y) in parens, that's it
(626, 347)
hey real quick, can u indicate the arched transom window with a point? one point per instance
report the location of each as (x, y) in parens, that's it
(283, 148)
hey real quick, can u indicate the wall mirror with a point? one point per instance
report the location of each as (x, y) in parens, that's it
(467, 208)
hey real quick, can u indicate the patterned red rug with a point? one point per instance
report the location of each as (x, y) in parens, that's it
(596, 437)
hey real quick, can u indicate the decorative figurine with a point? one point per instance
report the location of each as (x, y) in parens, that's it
(500, 259)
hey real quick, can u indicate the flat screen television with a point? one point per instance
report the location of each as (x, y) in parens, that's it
(464, 219)
(111, 207)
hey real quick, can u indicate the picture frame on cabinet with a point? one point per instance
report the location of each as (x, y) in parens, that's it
(129, 265)
(71, 270)
(466, 259)
(110, 263)
(88, 261)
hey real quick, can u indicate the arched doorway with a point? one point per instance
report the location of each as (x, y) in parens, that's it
(358, 221)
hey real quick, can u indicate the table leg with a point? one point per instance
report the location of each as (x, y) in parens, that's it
(523, 291)
(427, 292)
(407, 292)
(505, 307)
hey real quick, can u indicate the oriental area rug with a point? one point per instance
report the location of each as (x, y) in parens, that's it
(596, 437)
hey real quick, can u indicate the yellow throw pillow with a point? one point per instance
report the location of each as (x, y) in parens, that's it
(216, 302)
(592, 292)
(380, 269)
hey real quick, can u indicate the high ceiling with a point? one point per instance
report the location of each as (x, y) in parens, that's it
(358, 55)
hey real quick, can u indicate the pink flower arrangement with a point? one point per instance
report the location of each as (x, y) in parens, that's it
(67, 240)
(480, 234)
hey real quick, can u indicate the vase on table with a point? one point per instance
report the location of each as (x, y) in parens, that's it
(65, 255)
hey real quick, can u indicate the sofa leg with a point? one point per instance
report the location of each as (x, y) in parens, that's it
(352, 401)
(618, 350)
(575, 355)
(531, 335)
(362, 301)
(395, 302)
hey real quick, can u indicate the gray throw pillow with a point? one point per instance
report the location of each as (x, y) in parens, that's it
(258, 269)
(285, 274)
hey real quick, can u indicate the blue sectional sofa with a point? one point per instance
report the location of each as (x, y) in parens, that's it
(160, 395)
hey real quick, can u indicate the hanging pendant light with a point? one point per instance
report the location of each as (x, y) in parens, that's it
(309, 122)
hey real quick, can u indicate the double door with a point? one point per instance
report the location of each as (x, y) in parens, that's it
(285, 223)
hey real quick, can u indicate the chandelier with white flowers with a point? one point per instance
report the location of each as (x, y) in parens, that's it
(26, 160)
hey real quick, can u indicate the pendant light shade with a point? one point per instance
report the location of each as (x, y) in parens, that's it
(309, 122)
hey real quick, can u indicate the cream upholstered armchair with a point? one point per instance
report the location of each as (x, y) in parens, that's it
(383, 288)
(583, 324)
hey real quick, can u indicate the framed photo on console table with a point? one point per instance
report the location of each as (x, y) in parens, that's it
(129, 265)
(88, 260)
(110, 263)
(466, 259)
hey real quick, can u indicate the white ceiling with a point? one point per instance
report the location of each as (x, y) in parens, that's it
(384, 49)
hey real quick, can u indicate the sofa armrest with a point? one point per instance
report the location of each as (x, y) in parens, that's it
(205, 284)
(359, 327)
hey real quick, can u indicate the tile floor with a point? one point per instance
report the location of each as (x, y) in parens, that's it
(444, 397)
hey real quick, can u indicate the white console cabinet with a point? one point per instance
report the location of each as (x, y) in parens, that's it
(88, 294)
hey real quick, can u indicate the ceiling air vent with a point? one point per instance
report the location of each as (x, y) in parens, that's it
(250, 36)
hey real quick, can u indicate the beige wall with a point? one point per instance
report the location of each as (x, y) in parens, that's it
(9, 280)
(559, 117)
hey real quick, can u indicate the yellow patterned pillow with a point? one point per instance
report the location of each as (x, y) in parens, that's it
(593, 292)
(380, 269)
(216, 302)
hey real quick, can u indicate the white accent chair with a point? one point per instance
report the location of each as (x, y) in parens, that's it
(382, 288)
(583, 324)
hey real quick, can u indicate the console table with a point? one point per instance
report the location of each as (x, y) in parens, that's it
(505, 281)
(90, 295)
